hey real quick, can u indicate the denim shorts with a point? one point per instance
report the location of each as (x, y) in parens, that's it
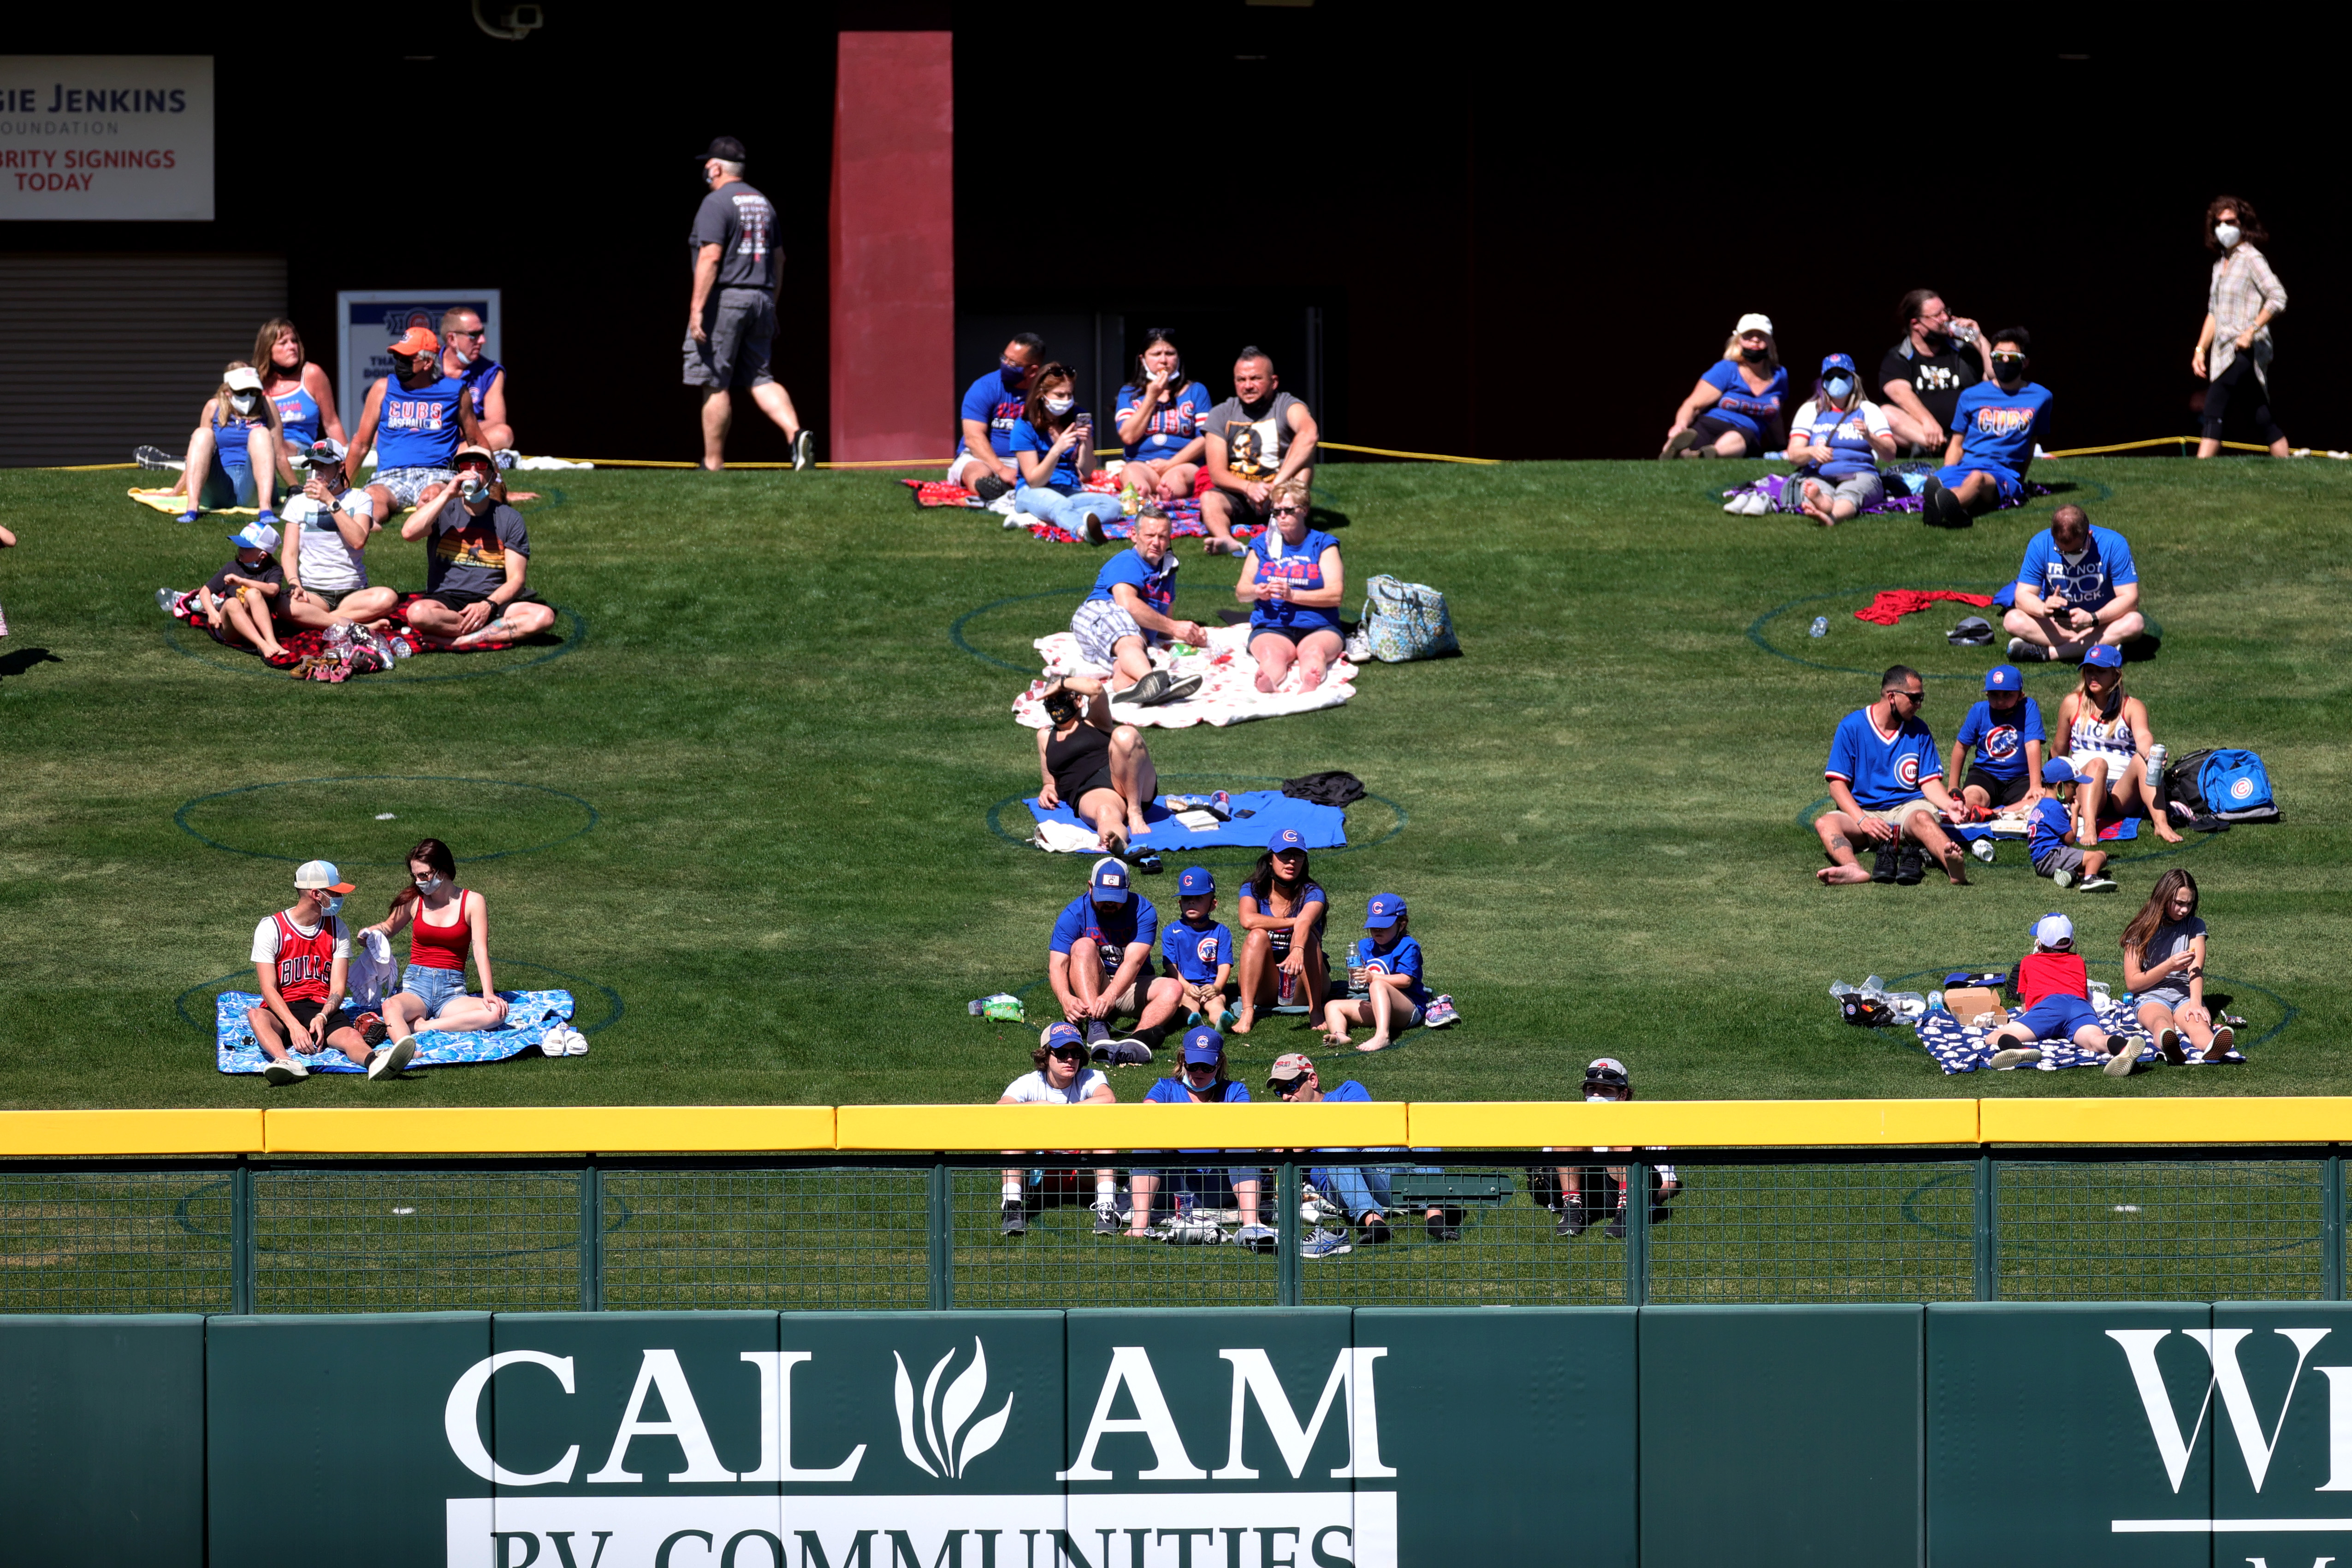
(436, 987)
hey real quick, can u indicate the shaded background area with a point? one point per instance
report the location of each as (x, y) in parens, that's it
(1474, 241)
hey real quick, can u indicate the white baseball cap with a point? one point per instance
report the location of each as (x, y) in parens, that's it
(242, 379)
(312, 874)
(1754, 322)
(2054, 930)
(254, 536)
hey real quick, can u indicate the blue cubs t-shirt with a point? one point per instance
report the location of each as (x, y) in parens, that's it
(1309, 892)
(1997, 426)
(2052, 824)
(1172, 424)
(1742, 406)
(1882, 771)
(1156, 586)
(1172, 1091)
(1302, 565)
(1025, 438)
(1112, 931)
(1195, 951)
(2000, 738)
(1404, 958)
(1347, 1093)
(2090, 580)
(995, 406)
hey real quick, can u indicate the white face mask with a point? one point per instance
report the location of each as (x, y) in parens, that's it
(2228, 233)
(244, 402)
(1838, 386)
(1057, 406)
(1600, 1099)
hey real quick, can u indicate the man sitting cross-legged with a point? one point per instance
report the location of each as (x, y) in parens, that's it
(1888, 788)
(476, 568)
(1099, 964)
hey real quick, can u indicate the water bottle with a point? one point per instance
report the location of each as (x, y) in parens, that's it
(1874, 987)
(1820, 626)
(1839, 989)
(1934, 1001)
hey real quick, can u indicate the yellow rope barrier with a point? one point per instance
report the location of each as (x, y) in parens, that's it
(1421, 456)
(2177, 441)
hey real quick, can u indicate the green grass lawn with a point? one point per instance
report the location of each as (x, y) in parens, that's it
(747, 809)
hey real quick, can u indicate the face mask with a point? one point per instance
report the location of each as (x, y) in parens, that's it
(1600, 1099)
(2228, 233)
(427, 884)
(1754, 356)
(245, 403)
(1838, 386)
(1057, 406)
(335, 904)
(2005, 369)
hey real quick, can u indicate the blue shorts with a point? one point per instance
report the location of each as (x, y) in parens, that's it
(2012, 487)
(435, 988)
(2057, 1018)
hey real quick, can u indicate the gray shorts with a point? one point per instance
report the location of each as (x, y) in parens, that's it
(1863, 490)
(407, 487)
(1099, 626)
(333, 598)
(2065, 857)
(737, 330)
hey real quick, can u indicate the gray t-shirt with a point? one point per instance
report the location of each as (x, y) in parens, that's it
(1254, 444)
(2168, 941)
(739, 222)
(470, 556)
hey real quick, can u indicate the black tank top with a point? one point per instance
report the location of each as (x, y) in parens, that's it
(1073, 761)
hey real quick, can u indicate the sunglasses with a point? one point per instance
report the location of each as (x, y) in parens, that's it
(2009, 362)
(481, 334)
(1068, 1053)
(1915, 697)
(1011, 364)
(1288, 512)
(484, 469)
(1209, 1067)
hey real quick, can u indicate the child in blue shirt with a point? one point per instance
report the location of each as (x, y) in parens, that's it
(1197, 947)
(1995, 425)
(2005, 731)
(2053, 829)
(1386, 964)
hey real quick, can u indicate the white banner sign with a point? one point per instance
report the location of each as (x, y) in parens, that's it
(118, 138)
(369, 321)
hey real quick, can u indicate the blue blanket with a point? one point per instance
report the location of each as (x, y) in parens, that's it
(1323, 827)
(529, 1016)
(1961, 1047)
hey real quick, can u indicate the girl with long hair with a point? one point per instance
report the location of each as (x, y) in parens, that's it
(1281, 916)
(1053, 446)
(1836, 439)
(299, 391)
(2164, 967)
(1159, 414)
(445, 923)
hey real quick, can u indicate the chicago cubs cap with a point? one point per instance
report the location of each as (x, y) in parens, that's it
(2004, 678)
(725, 147)
(1836, 362)
(254, 536)
(2058, 770)
(416, 341)
(1754, 322)
(1383, 912)
(1202, 1043)
(1195, 882)
(243, 379)
(2105, 656)
(1110, 884)
(1289, 1068)
(1288, 839)
(2054, 930)
(1061, 1032)
(312, 874)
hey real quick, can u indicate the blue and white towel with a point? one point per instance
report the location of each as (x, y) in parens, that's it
(1323, 827)
(529, 1016)
(1961, 1047)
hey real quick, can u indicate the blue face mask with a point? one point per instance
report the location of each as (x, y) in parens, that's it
(1838, 386)
(335, 904)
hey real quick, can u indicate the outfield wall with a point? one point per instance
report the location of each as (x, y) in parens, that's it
(1960, 1434)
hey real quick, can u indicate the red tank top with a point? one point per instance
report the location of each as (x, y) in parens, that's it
(440, 946)
(305, 964)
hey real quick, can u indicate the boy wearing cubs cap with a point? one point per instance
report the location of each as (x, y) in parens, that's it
(1197, 947)
(2056, 991)
(2005, 731)
(1386, 966)
(2054, 824)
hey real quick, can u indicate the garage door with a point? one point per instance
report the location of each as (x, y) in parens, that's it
(99, 354)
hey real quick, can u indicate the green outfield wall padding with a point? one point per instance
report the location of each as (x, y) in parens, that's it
(2263, 1350)
(1781, 1435)
(103, 1440)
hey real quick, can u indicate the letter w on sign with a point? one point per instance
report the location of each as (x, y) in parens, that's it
(2220, 1347)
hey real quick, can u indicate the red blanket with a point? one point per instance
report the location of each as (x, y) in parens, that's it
(1893, 603)
(303, 654)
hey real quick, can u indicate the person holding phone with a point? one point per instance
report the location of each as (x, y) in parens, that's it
(1160, 417)
(1054, 448)
(2164, 967)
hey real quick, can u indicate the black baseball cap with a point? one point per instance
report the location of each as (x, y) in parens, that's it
(725, 147)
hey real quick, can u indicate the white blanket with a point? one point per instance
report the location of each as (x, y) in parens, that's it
(1228, 692)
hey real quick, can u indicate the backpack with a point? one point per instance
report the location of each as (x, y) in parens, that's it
(1405, 620)
(1868, 1012)
(2220, 786)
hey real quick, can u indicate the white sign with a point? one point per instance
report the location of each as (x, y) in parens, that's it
(117, 137)
(369, 321)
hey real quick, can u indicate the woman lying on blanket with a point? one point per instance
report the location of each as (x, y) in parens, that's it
(1281, 917)
(445, 922)
(2164, 966)
(1102, 772)
(1292, 582)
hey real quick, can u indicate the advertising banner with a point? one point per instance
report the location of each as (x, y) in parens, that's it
(368, 321)
(115, 138)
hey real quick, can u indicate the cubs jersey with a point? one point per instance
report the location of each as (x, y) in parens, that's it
(1404, 958)
(1997, 426)
(417, 427)
(1195, 952)
(2000, 737)
(1882, 771)
(1112, 930)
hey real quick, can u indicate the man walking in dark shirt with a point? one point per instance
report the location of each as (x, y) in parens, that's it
(736, 271)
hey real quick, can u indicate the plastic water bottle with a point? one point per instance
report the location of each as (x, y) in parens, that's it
(1820, 626)
(1839, 988)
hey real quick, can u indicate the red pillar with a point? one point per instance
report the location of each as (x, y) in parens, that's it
(892, 248)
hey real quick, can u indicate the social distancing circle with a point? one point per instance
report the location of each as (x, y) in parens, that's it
(191, 643)
(370, 821)
(2009, 853)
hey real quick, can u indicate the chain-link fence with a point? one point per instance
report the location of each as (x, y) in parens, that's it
(1720, 1225)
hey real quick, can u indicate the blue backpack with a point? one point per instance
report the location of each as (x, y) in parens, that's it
(2222, 783)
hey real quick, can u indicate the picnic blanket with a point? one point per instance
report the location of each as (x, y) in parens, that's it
(1904, 483)
(310, 655)
(529, 1015)
(2014, 826)
(1892, 604)
(1228, 692)
(170, 503)
(1059, 831)
(1961, 1047)
(1183, 515)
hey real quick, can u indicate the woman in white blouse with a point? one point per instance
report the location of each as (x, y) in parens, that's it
(2234, 349)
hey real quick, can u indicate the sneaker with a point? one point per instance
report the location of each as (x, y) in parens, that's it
(2095, 885)
(1257, 1238)
(2016, 1056)
(2167, 1042)
(370, 1028)
(2119, 1063)
(1376, 1232)
(284, 1070)
(2062, 877)
(1882, 863)
(1615, 1228)
(1444, 1226)
(2224, 1037)
(1148, 861)
(1756, 505)
(1910, 866)
(1098, 1033)
(1016, 1218)
(1439, 1013)
(1933, 498)
(167, 600)
(803, 451)
(388, 1062)
(1106, 1222)
(1982, 849)
(156, 457)
(1574, 1221)
(1126, 1051)
(2021, 652)
(1326, 1244)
